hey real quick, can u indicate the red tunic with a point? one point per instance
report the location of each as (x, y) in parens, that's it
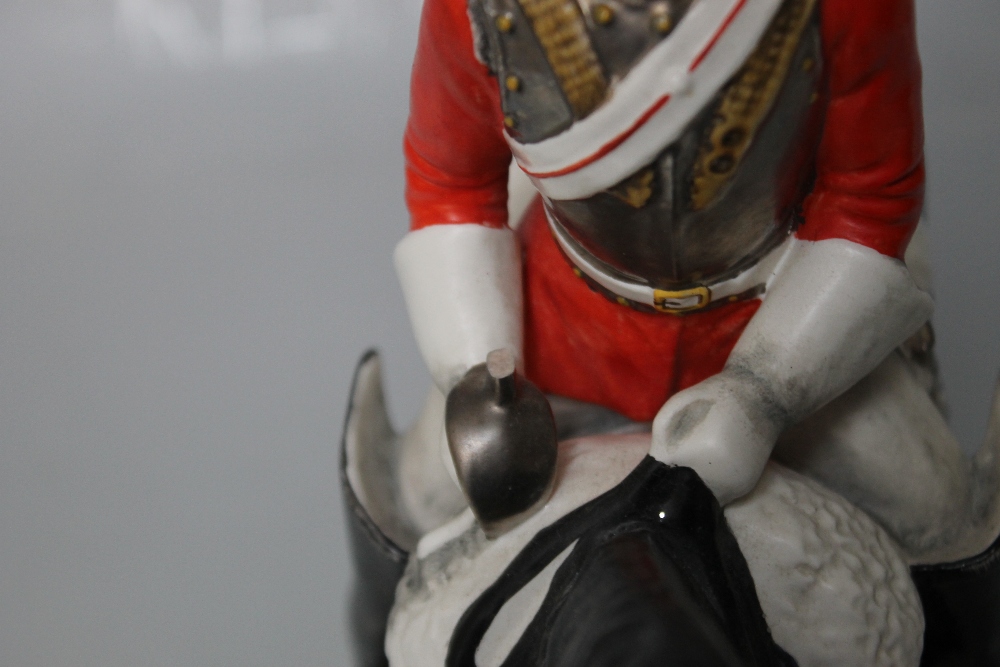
(869, 189)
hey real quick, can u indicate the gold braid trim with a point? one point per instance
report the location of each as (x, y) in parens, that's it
(636, 190)
(560, 29)
(747, 100)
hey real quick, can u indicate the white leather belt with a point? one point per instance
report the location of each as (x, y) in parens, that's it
(754, 280)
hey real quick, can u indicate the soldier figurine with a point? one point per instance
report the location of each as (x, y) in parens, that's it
(727, 192)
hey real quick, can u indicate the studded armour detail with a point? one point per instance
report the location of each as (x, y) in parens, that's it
(745, 102)
(720, 197)
(559, 27)
(556, 60)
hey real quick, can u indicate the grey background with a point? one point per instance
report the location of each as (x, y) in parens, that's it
(198, 202)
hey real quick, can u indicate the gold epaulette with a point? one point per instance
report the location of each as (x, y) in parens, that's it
(561, 30)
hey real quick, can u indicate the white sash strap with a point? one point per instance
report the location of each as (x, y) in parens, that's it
(653, 105)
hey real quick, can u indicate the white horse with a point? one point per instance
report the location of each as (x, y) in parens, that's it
(834, 586)
(835, 583)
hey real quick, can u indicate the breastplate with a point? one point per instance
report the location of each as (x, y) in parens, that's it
(556, 60)
(719, 197)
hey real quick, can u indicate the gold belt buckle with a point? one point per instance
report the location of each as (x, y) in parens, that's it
(681, 301)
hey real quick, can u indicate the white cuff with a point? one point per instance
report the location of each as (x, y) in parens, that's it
(462, 286)
(832, 314)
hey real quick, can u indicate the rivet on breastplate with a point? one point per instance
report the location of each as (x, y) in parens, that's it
(722, 164)
(505, 23)
(512, 83)
(660, 18)
(603, 14)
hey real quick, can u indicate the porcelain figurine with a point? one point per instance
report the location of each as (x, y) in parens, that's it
(687, 413)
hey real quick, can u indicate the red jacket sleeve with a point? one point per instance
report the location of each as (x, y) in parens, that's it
(870, 165)
(456, 157)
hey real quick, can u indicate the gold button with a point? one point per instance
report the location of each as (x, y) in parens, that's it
(505, 23)
(622, 301)
(662, 23)
(808, 64)
(509, 122)
(577, 272)
(513, 83)
(603, 14)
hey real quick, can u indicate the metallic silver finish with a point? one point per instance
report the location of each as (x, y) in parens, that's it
(648, 231)
(623, 41)
(502, 438)
(537, 108)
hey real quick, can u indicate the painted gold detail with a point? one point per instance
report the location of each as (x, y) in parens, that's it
(635, 190)
(577, 272)
(509, 122)
(561, 31)
(662, 24)
(660, 19)
(747, 100)
(622, 301)
(603, 14)
(505, 23)
(512, 83)
(662, 299)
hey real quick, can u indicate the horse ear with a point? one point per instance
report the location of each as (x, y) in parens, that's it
(370, 456)
(366, 469)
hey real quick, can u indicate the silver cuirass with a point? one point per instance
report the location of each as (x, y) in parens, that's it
(714, 201)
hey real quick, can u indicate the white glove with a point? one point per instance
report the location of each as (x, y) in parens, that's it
(832, 313)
